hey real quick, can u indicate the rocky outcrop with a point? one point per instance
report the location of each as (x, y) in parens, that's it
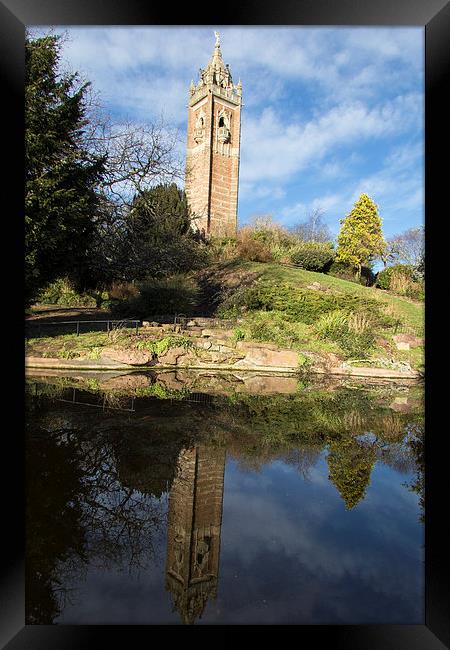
(178, 355)
(224, 353)
(266, 356)
(407, 341)
(129, 357)
(199, 357)
(210, 331)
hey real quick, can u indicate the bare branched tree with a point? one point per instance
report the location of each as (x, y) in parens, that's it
(313, 228)
(407, 247)
(137, 158)
(138, 155)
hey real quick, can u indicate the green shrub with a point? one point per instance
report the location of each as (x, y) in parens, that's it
(281, 252)
(402, 280)
(384, 277)
(345, 272)
(296, 304)
(222, 249)
(174, 295)
(313, 256)
(252, 247)
(238, 334)
(416, 290)
(339, 327)
(168, 342)
(61, 293)
(111, 305)
(329, 324)
(272, 327)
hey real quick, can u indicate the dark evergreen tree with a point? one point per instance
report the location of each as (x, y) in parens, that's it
(61, 175)
(159, 240)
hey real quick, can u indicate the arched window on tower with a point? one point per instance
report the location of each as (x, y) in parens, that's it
(223, 129)
(199, 130)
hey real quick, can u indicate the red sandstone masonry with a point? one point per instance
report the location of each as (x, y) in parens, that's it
(212, 185)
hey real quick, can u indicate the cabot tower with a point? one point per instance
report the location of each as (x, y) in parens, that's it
(213, 144)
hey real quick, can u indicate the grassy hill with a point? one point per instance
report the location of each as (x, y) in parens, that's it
(409, 312)
(314, 311)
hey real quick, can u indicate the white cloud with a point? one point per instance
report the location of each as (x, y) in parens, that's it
(275, 149)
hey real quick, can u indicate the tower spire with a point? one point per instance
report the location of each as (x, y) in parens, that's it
(216, 72)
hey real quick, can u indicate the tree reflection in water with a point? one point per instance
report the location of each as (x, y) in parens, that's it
(80, 512)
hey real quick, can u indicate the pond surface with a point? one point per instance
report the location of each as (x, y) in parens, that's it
(300, 507)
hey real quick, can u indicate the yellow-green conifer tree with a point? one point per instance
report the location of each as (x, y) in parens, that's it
(360, 239)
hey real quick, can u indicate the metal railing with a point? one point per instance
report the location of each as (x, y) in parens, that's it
(110, 324)
(102, 397)
(104, 405)
(182, 320)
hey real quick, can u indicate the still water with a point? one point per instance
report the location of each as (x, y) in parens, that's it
(165, 501)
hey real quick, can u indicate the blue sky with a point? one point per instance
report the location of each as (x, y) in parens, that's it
(329, 112)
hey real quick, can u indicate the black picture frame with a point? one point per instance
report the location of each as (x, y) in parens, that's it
(434, 16)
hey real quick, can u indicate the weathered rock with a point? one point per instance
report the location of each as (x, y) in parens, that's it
(331, 360)
(226, 348)
(216, 356)
(131, 357)
(156, 330)
(194, 331)
(204, 321)
(400, 404)
(172, 356)
(215, 345)
(315, 285)
(407, 341)
(266, 357)
(377, 372)
(221, 333)
(173, 380)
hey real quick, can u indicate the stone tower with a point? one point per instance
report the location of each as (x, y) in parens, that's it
(193, 530)
(213, 144)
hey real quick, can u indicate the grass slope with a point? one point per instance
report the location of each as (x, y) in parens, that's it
(409, 312)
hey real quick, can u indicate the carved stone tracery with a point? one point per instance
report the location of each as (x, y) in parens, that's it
(199, 129)
(223, 122)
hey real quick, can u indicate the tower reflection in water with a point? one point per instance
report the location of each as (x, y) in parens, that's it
(193, 530)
